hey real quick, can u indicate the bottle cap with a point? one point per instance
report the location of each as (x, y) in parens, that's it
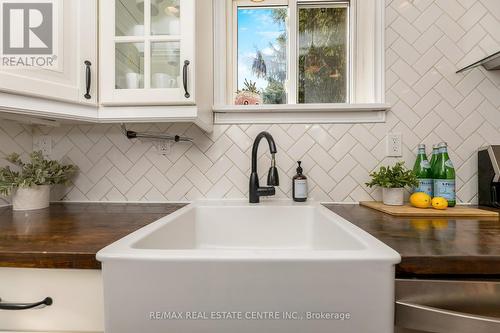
(435, 146)
(443, 145)
(421, 146)
(299, 169)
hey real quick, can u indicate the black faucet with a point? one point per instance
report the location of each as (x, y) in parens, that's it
(272, 178)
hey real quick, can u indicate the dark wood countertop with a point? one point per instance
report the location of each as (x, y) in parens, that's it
(437, 247)
(69, 235)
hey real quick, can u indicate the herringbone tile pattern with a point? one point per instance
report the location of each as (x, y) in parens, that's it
(14, 138)
(426, 41)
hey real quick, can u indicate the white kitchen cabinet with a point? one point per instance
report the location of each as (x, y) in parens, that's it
(77, 300)
(155, 64)
(156, 61)
(74, 38)
(147, 52)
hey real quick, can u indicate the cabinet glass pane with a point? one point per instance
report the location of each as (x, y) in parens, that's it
(129, 18)
(165, 65)
(165, 19)
(323, 57)
(129, 66)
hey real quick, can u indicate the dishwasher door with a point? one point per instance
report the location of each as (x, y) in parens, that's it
(447, 306)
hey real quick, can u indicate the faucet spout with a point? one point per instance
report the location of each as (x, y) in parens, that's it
(255, 191)
(255, 148)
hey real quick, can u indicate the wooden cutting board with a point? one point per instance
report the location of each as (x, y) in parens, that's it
(409, 211)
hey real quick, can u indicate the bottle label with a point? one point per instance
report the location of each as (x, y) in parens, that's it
(424, 185)
(425, 164)
(449, 164)
(300, 187)
(444, 188)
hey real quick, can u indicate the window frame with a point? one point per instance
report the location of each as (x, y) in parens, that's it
(366, 91)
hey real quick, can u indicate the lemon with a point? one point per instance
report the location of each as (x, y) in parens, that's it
(439, 203)
(420, 200)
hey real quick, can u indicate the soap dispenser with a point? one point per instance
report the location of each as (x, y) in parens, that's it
(299, 188)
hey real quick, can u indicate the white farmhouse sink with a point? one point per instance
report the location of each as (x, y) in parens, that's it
(218, 266)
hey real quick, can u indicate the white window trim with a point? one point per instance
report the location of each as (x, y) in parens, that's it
(367, 91)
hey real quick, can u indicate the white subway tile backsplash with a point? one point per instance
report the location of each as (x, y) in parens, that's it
(450, 27)
(426, 42)
(452, 8)
(428, 17)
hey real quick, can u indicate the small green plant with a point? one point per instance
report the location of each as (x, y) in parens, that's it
(38, 171)
(393, 177)
(250, 86)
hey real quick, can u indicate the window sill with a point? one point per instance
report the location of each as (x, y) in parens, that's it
(300, 113)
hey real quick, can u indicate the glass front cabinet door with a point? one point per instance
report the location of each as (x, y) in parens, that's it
(147, 50)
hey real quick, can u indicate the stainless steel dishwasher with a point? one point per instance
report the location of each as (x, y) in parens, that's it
(447, 306)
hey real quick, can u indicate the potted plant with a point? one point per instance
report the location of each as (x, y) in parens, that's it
(249, 95)
(393, 180)
(30, 183)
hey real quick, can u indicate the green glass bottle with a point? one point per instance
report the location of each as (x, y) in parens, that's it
(422, 169)
(444, 176)
(434, 155)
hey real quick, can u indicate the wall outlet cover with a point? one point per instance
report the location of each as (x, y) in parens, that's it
(394, 145)
(164, 147)
(44, 143)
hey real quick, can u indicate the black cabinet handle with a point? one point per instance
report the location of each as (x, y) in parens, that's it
(185, 78)
(25, 306)
(88, 78)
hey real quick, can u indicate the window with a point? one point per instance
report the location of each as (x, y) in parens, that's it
(323, 53)
(262, 58)
(297, 56)
(265, 72)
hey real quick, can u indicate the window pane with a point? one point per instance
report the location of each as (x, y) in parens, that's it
(129, 71)
(322, 74)
(262, 55)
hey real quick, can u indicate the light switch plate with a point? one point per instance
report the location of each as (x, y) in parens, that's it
(394, 145)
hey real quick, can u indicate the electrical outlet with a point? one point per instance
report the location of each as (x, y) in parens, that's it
(164, 147)
(44, 143)
(394, 145)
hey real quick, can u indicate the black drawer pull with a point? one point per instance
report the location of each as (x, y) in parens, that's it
(25, 306)
(88, 79)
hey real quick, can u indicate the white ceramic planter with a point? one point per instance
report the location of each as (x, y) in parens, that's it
(36, 197)
(393, 196)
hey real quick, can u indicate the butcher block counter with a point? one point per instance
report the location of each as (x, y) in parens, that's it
(68, 235)
(433, 247)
